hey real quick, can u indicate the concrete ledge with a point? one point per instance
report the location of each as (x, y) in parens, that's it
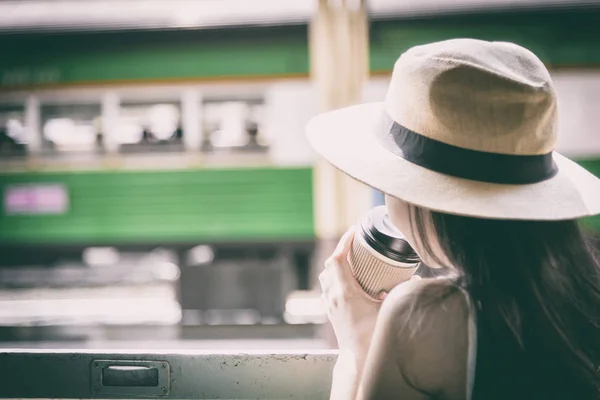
(177, 374)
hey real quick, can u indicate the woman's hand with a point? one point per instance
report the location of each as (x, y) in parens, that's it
(352, 312)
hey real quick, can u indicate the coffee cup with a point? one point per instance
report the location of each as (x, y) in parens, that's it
(381, 257)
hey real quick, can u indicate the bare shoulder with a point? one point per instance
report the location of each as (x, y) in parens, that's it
(430, 318)
(435, 296)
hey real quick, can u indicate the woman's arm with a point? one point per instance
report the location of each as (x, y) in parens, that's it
(376, 373)
(389, 348)
(396, 327)
(418, 348)
(346, 377)
(381, 379)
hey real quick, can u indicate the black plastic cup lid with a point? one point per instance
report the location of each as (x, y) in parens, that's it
(383, 237)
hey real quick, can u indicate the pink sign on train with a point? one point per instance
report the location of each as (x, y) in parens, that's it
(36, 199)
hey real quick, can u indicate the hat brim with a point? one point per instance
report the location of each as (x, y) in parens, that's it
(346, 138)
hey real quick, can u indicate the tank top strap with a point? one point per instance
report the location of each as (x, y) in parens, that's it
(472, 344)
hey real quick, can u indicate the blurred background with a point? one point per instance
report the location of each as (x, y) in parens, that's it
(157, 189)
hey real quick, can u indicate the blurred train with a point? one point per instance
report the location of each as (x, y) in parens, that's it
(116, 145)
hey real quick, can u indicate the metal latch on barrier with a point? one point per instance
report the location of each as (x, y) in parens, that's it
(130, 378)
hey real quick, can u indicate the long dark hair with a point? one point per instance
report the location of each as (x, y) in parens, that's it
(536, 290)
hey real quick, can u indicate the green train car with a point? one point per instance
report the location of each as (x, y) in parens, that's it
(192, 205)
(245, 210)
(114, 205)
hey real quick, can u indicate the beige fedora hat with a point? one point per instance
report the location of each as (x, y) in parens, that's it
(468, 127)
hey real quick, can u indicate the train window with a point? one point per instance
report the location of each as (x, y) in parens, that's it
(150, 127)
(13, 134)
(234, 125)
(256, 125)
(71, 128)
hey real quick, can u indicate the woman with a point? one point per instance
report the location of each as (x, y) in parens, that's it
(463, 147)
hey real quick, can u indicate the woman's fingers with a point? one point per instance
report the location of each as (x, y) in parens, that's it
(325, 280)
(344, 244)
(331, 291)
(339, 259)
(329, 282)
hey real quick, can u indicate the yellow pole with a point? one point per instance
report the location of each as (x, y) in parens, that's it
(338, 39)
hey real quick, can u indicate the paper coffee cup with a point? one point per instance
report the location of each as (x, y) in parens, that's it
(381, 257)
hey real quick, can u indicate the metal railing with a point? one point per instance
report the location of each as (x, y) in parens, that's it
(60, 374)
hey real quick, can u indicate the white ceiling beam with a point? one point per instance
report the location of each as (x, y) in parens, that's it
(57, 15)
